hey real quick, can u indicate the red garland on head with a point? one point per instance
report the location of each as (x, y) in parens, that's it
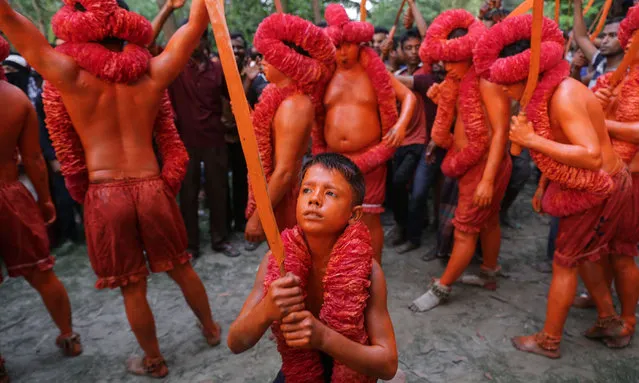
(346, 291)
(573, 190)
(628, 26)
(4, 53)
(437, 47)
(309, 74)
(82, 28)
(342, 30)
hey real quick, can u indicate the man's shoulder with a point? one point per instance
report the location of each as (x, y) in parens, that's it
(14, 96)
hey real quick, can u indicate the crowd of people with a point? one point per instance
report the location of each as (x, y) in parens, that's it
(351, 119)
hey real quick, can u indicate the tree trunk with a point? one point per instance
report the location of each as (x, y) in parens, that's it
(317, 12)
(170, 27)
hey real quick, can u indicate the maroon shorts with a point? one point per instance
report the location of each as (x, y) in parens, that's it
(473, 219)
(126, 219)
(24, 244)
(627, 237)
(375, 190)
(587, 236)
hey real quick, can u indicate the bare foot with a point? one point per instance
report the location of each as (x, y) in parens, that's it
(530, 344)
(69, 344)
(214, 338)
(611, 327)
(147, 367)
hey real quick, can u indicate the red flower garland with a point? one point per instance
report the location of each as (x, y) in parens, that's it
(573, 190)
(628, 26)
(4, 53)
(342, 30)
(346, 291)
(627, 110)
(99, 20)
(436, 45)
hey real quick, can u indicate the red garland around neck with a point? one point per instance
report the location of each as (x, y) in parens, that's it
(457, 163)
(346, 291)
(573, 190)
(627, 110)
(263, 116)
(121, 67)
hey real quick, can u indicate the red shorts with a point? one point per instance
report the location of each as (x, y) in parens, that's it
(126, 219)
(375, 190)
(627, 238)
(587, 236)
(470, 218)
(24, 244)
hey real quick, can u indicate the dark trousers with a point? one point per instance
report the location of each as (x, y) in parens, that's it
(238, 192)
(215, 161)
(411, 198)
(65, 226)
(518, 178)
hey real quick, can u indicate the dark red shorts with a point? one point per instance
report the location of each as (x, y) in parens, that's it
(128, 219)
(24, 244)
(587, 236)
(627, 237)
(470, 218)
(375, 190)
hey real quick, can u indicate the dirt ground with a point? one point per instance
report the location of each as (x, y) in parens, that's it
(466, 340)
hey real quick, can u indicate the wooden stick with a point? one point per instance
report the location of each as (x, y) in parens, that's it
(391, 34)
(594, 22)
(602, 20)
(533, 72)
(278, 6)
(557, 9)
(620, 72)
(362, 11)
(245, 129)
(521, 9)
(588, 6)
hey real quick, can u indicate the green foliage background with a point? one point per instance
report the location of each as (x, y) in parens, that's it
(245, 15)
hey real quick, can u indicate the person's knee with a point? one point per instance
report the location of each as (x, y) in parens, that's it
(39, 279)
(182, 273)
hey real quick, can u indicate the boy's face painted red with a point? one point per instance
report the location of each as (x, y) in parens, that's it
(325, 202)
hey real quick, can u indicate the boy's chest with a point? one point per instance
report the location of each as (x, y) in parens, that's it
(315, 293)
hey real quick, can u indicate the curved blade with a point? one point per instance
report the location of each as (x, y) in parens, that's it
(245, 128)
(521, 9)
(602, 20)
(278, 6)
(588, 6)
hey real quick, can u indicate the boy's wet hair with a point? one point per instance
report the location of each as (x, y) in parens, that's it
(346, 167)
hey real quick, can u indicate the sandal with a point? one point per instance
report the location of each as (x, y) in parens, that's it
(69, 344)
(154, 368)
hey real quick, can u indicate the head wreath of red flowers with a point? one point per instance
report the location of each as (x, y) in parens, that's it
(277, 29)
(513, 69)
(628, 26)
(342, 30)
(438, 47)
(81, 21)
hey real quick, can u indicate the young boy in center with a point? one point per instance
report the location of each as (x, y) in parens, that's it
(329, 312)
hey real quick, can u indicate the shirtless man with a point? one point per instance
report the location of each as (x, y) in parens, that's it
(298, 61)
(361, 112)
(589, 184)
(24, 245)
(476, 154)
(105, 103)
(622, 121)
